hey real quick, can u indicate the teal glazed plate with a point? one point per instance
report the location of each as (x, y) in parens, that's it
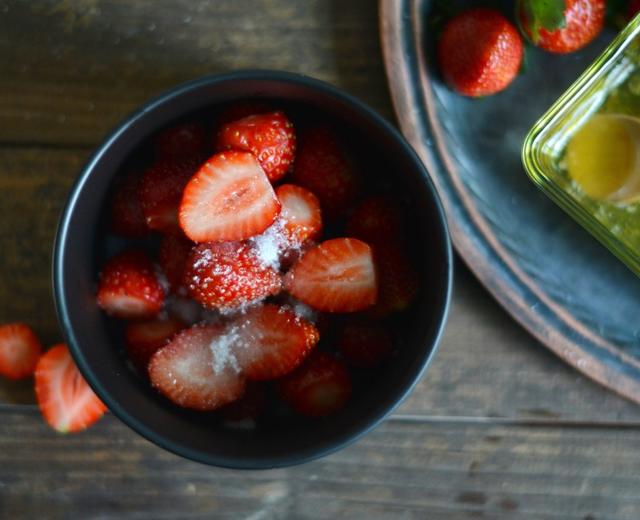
(554, 278)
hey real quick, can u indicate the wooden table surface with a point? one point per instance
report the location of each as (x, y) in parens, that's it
(498, 428)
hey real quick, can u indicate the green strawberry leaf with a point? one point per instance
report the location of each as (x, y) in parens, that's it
(543, 14)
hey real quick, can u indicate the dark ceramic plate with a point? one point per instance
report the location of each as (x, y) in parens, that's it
(548, 273)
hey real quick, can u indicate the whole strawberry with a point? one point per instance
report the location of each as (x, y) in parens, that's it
(479, 52)
(561, 26)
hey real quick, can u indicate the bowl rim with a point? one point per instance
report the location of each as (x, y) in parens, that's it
(61, 240)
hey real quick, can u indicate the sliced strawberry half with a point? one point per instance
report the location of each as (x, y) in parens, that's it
(66, 400)
(127, 218)
(321, 386)
(270, 341)
(335, 276)
(180, 142)
(172, 257)
(269, 137)
(377, 220)
(226, 275)
(229, 198)
(144, 338)
(161, 189)
(20, 350)
(300, 213)
(323, 168)
(365, 345)
(129, 288)
(191, 374)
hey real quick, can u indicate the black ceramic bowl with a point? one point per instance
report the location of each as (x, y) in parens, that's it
(79, 252)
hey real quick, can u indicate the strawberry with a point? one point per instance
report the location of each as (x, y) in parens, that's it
(239, 110)
(321, 386)
(226, 275)
(19, 351)
(270, 341)
(323, 168)
(66, 400)
(397, 280)
(300, 213)
(377, 220)
(561, 26)
(365, 345)
(128, 287)
(336, 276)
(250, 406)
(160, 192)
(172, 257)
(229, 198)
(190, 374)
(269, 137)
(480, 52)
(127, 218)
(180, 142)
(144, 338)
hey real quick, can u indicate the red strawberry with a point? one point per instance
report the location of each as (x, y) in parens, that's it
(172, 257)
(19, 351)
(230, 198)
(240, 110)
(323, 168)
(160, 192)
(377, 220)
(365, 345)
(187, 371)
(127, 218)
(562, 26)
(250, 406)
(180, 142)
(144, 338)
(128, 287)
(321, 386)
(480, 52)
(66, 400)
(269, 137)
(300, 213)
(225, 275)
(336, 276)
(397, 280)
(269, 341)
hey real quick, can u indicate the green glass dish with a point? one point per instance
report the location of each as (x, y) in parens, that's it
(610, 85)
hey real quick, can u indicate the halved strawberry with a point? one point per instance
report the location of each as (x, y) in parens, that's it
(365, 345)
(226, 275)
(397, 280)
(229, 198)
(19, 350)
(172, 257)
(66, 400)
(127, 218)
(319, 387)
(269, 137)
(161, 189)
(190, 373)
(180, 142)
(270, 341)
(323, 168)
(250, 406)
(128, 286)
(336, 276)
(144, 338)
(377, 220)
(300, 213)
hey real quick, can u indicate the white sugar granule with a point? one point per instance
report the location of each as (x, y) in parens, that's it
(222, 348)
(270, 244)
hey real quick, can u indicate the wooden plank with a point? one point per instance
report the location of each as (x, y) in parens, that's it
(70, 70)
(487, 365)
(429, 470)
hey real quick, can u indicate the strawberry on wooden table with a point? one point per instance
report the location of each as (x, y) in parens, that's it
(190, 373)
(127, 218)
(336, 276)
(144, 338)
(172, 257)
(226, 275)
(160, 192)
(366, 344)
(180, 141)
(269, 137)
(229, 198)
(128, 286)
(67, 402)
(321, 386)
(480, 52)
(561, 26)
(20, 350)
(301, 215)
